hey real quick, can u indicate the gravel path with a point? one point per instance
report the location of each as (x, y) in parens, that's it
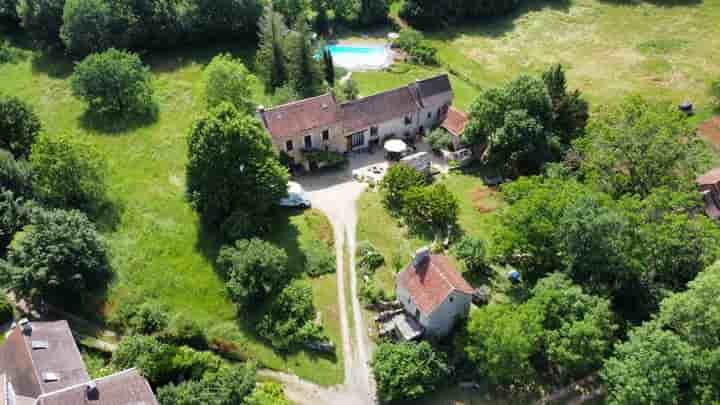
(336, 195)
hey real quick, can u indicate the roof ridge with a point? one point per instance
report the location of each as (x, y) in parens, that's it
(442, 274)
(72, 387)
(296, 102)
(433, 77)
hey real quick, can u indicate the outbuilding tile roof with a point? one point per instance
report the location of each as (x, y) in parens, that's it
(27, 367)
(432, 282)
(124, 388)
(455, 122)
(709, 178)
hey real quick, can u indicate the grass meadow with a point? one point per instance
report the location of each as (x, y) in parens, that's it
(158, 247)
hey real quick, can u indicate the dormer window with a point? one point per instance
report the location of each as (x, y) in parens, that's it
(50, 377)
(289, 146)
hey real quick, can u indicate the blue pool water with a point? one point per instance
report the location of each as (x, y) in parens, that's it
(340, 50)
(359, 57)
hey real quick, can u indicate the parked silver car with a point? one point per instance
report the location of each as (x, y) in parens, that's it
(297, 197)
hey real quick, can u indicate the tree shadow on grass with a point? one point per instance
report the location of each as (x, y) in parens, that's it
(168, 61)
(52, 63)
(117, 124)
(494, 27)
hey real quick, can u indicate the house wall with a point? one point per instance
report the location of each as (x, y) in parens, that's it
(396, 127)
(335, 143)
(441, 321)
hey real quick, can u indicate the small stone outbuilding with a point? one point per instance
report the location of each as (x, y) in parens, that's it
(434, 292)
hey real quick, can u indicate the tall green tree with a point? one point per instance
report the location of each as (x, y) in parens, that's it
(255, 270)
(15, 213)
(59, 257)
(501, 340)
(19, 126)
(304, 71)
(16, 175)
(639, 146)
(570, 110)
(42, 20)
(232, 167)
(329, 67)
(292, 10)
(69, 173)
(373, 12)
(227, 80)
(270, 60)
(116, 83)
(407, 371)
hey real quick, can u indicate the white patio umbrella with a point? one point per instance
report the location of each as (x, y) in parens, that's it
(393, 36)
(395, 146)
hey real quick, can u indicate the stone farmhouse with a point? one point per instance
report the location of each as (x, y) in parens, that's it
(432, 291)
(41, 365)
(321, 123)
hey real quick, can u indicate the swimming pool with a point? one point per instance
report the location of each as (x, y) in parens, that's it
(360, 57)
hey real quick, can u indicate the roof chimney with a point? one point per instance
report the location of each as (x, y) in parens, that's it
(421, 256)
(25, 326)
(91, 390)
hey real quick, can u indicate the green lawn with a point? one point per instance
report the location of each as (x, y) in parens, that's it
(391, 238)
(157, 246)
(661, 49)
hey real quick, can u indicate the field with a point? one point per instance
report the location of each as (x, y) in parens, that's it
(158, 248)
(662, 49)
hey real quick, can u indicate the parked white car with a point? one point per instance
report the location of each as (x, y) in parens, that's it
(297, 197)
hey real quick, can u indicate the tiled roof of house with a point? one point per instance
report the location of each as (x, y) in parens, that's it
(290, 119)
(124, 388)
(455, 122)
(362, 113)
(433, 91)
(300, 116)
(45, 359)
(709, 178)
(432, 282)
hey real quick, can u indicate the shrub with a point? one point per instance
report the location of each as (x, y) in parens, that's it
(149, 318)
(372, 294)
(184, 331)
(8, 53)
(255, 270)
(715, 93)
(15, 213)
(115, 82)
(471, 251)
(418, 49)
(289, 321)
(230, 385)
(19, 126)
(408, 39)
(267, 393)
(16, 175)
(370, 257)
(326, 158)
(347, 90)
(439, 139)
(319, 261)
(153, 358)
(69, 173)
(226, 79)
(60, 256)
(398, 180)
(407, 371)
(7, 312)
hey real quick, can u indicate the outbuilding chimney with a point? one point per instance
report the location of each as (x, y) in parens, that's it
(422, 255)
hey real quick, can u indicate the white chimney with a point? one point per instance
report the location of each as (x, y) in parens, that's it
(421, 255)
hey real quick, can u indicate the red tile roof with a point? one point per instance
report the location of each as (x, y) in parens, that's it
(25, 366)
(124, 388)
(455, 122)
(300, 116)
(291, 119)
(379, 108)
(709, 178)
(431, 283)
